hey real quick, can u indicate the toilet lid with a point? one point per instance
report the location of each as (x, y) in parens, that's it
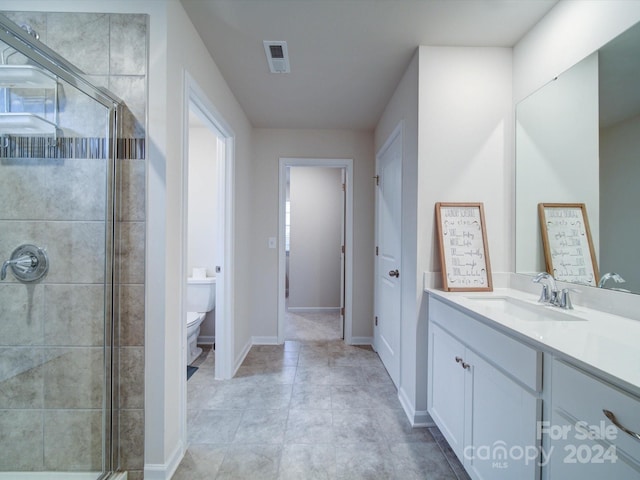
(193, 317)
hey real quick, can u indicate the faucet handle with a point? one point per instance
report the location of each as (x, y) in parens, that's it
(544, 295)
(565, 299)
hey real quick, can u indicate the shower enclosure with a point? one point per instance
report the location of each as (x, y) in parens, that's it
(58, 250)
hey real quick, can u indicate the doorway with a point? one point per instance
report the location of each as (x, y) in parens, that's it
(315, 261)
(215, 143)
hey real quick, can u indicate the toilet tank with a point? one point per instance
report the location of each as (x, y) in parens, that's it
(201, 294)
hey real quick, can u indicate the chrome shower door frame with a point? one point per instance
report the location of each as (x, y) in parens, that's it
(48, 59)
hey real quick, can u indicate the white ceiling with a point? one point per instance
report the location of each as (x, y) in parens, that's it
(347, 56)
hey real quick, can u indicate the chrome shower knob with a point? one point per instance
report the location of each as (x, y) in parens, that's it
(28, 264)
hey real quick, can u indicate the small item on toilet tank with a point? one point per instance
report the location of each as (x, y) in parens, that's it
(199, 272)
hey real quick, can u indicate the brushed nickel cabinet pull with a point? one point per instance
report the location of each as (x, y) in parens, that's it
(609, 414)
(462, 363)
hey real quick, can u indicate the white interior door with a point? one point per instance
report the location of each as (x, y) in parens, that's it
(388, 256)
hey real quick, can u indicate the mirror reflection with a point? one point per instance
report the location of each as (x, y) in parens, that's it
(578, 141)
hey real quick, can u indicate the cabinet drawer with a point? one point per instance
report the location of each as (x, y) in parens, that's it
(518, 360)
(585, 459)
(581, 397)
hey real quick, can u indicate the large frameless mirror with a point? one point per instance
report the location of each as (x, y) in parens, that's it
(578, 141)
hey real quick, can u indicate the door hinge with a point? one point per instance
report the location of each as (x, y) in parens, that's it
(377, 251)
(377, 179)
(342, 311)
(376, 321)
(342, 248)
(344, 187)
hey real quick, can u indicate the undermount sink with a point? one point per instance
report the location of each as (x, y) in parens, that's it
(524, 310)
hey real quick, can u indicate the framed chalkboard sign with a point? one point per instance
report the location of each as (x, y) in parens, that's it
(567, 243)
(463, 247)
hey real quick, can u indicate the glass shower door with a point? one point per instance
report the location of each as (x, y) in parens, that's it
(56, 250)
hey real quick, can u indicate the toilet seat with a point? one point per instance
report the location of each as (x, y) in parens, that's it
(193, 317)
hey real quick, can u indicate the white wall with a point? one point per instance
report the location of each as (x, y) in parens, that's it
(557, 155)
(466, 142)
(619, 200)
(203, 200)
(269, 146)
(186, 52)
(316, 237)
(203, 209)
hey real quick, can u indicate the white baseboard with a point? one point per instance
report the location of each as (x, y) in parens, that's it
(407, 405)
(362, 341)
(417, 418)
(264, 340)
(240, 358)
(422, 419)
(207, 340)
(165, 471)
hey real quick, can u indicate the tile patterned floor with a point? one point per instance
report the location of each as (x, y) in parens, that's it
(316, 326)
(308, 409)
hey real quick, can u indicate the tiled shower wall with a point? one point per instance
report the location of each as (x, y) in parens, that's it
(112, 50)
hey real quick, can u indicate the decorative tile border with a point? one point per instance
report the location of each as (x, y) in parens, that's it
(16, 147)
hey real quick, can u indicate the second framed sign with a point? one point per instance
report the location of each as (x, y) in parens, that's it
(464, 253)
(566, 238)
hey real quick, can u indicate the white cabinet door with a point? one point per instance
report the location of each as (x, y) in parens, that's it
(500, 434)
(446, 384)
(478, 399)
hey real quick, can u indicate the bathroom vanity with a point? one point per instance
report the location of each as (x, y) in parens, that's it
(525, 390)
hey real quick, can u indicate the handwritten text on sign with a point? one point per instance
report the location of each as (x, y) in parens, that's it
(569, 245)
(463, 247)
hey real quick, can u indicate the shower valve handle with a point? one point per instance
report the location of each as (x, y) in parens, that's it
(28, 263)
(23, 263)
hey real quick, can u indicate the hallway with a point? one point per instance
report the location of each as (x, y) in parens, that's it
(313, 326)
(307, 410)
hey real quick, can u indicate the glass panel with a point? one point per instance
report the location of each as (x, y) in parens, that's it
(55, 195)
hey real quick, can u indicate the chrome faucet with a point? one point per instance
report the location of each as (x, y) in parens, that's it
(549, 292)
(611, 275)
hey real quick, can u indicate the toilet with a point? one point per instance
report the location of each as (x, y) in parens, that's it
(201, 298)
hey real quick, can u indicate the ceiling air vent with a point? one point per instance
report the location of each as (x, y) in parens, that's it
(277, 56)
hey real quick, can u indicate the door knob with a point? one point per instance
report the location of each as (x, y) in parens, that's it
(394, 273)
